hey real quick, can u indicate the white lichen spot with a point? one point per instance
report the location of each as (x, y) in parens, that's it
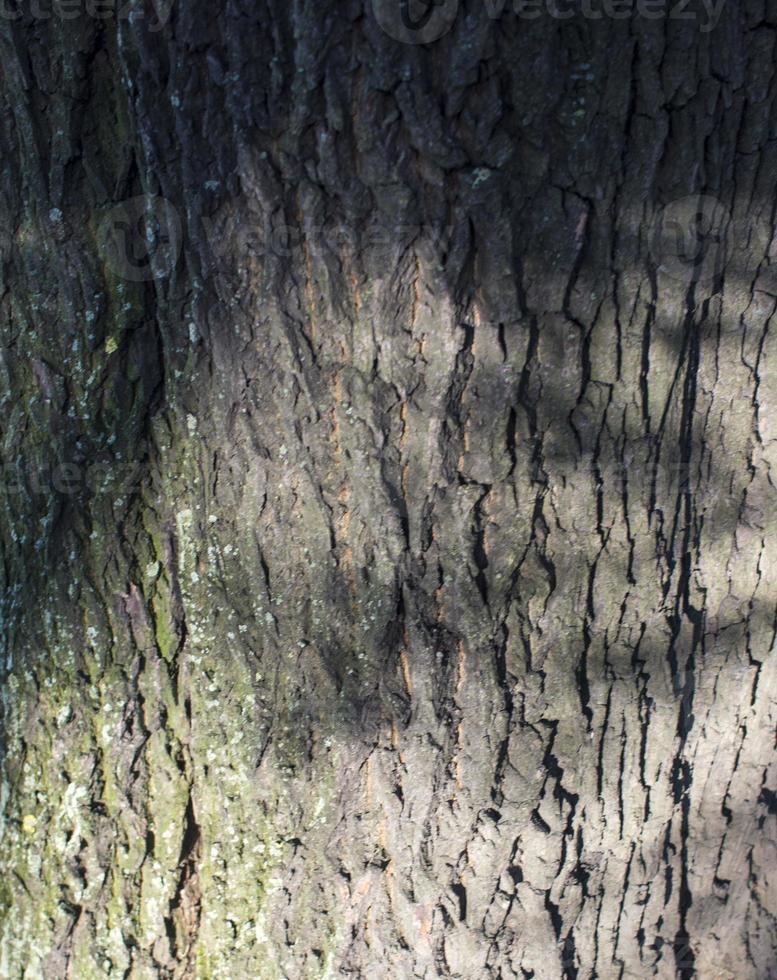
(152, 569)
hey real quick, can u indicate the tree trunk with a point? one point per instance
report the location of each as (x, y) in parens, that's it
(388, 537)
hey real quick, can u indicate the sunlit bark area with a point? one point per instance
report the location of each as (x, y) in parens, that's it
(387, 515)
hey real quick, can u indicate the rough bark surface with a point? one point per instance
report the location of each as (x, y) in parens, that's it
(389, 571)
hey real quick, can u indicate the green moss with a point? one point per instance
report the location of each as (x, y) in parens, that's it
(166, 637)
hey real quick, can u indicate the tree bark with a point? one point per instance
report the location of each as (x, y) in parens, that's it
(388, 539)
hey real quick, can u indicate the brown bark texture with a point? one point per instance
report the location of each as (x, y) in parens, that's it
(387, 517)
